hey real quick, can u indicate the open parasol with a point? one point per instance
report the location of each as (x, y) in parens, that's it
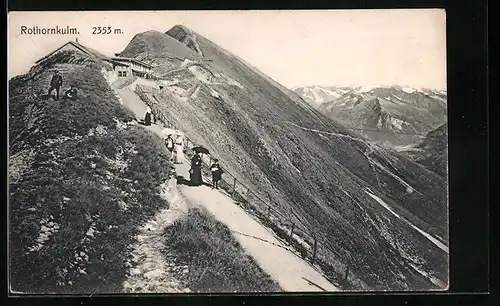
(201, 149)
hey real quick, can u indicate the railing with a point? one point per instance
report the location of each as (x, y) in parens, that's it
(301, 239)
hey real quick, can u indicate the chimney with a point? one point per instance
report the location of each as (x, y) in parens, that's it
(77, 40)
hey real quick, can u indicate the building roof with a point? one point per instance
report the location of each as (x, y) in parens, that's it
(128, 59)
(89, 51)
(118, 63)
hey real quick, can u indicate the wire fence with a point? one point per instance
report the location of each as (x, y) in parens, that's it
(303, 241)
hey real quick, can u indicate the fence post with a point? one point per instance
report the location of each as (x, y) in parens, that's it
(234, 188)
(291, 233)
(315, 247)
(346, 273)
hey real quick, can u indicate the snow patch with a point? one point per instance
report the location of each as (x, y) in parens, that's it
(408, 89)
(397, 123)
(366, 88)
(187, 62)
(315, 95)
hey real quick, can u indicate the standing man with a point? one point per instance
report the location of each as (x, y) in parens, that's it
(55, 83)
(169, 142)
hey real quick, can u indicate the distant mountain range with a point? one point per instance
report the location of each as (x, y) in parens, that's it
(390, 116)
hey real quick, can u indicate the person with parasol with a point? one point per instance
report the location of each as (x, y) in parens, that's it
(196, 163)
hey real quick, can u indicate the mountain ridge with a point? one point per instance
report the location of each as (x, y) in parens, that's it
(403, 112)
(245, 126)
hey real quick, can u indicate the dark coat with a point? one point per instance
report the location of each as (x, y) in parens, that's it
(216, 171)
(147, 119)
(71, 94)
(196, 162)
(195, 172)
(56, 81)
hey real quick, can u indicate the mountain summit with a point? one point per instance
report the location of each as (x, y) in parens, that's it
(364, 201)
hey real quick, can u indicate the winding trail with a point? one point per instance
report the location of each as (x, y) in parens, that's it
(290, 271)
(152, 273)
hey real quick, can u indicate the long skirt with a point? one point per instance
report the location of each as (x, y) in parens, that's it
(196, 179)
(179, 151)
(147, 119)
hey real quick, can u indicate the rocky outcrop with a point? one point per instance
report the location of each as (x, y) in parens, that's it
(186, 36)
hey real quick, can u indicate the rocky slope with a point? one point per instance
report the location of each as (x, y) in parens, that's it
(287, 151)
(390, 116)
(432, 151)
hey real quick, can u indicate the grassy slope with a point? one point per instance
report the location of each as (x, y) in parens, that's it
(270, 104)
(217, 263)
(159, 50)
(248, 132)
(77, 180)
(157, 44)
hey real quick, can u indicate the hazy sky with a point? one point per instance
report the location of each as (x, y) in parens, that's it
(343, 47)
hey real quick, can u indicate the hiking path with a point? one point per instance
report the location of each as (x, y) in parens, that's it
(290, 271)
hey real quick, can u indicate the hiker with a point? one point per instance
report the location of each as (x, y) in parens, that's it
(217, 171)
(169, 143)
(179, 149)
(71, 94)
(147, 116)
(195, 171)
(55, 83)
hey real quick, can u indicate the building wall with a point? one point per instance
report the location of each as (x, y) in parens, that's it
(123, 71)
(139, 69)
(110, 75)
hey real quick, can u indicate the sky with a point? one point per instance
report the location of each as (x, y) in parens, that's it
(296, 48)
